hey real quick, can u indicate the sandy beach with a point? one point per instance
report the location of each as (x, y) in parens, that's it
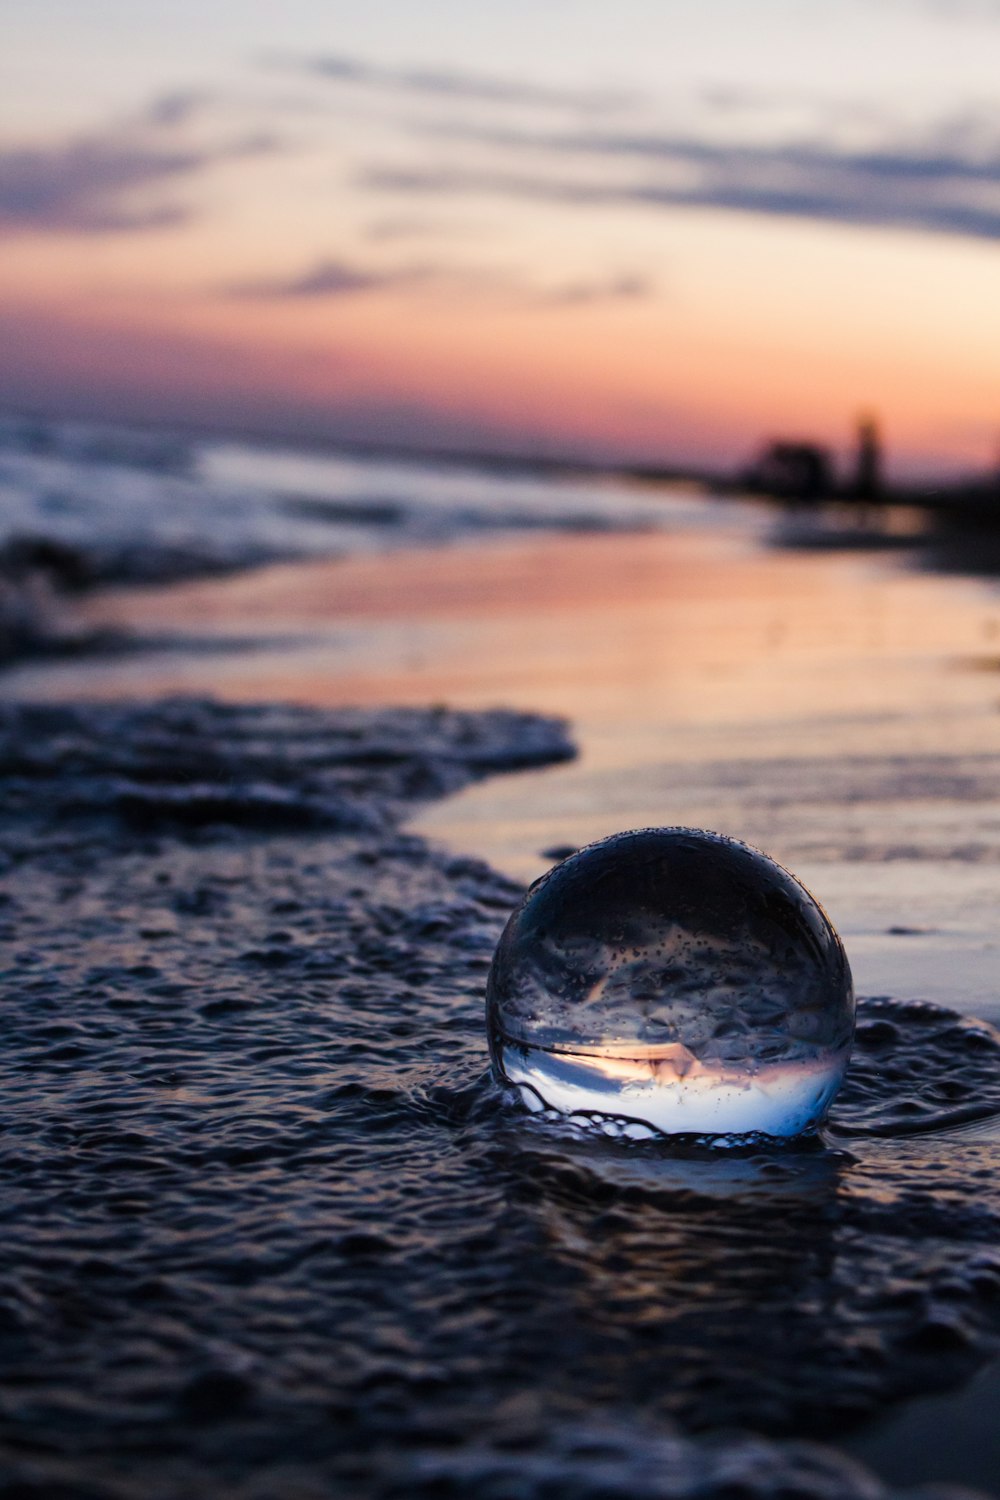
(837, 708)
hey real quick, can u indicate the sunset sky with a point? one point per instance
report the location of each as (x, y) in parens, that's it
(653, 230)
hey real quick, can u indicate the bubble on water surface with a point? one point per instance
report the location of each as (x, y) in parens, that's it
(677, 978)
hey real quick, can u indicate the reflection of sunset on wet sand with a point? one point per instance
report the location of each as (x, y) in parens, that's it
(650, 644)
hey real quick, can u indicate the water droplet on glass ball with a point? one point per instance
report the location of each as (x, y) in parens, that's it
(677, 978)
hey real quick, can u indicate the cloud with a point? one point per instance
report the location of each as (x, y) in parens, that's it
(85, 186)
(334, 278)
(456, 84)
(178, 107)
(328, 278)
(960, 11)
(951, 186)
(628, 287)
(963, 10)
(99, 184)
(406, 226)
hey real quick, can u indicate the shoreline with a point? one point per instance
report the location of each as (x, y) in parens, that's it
(838, 711)
(935, 489)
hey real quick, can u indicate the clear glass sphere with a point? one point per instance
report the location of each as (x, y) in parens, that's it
(675, 978)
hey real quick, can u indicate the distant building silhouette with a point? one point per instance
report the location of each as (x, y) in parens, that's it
(792, 471)
(868, 470)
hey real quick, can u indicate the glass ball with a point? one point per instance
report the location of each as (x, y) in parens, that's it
(677, 979)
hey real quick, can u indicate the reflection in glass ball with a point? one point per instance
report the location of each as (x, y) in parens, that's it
(675, 978)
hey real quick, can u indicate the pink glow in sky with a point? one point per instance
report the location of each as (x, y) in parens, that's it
(658, 230)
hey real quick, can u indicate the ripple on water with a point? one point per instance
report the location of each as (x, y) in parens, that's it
(268, 1227)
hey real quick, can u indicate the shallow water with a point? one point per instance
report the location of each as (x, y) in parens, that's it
(269, 1228)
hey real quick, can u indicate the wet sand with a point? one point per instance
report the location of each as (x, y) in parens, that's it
(668, 647)
(839, 710)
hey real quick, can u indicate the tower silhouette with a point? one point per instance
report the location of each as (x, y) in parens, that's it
(868, 471)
